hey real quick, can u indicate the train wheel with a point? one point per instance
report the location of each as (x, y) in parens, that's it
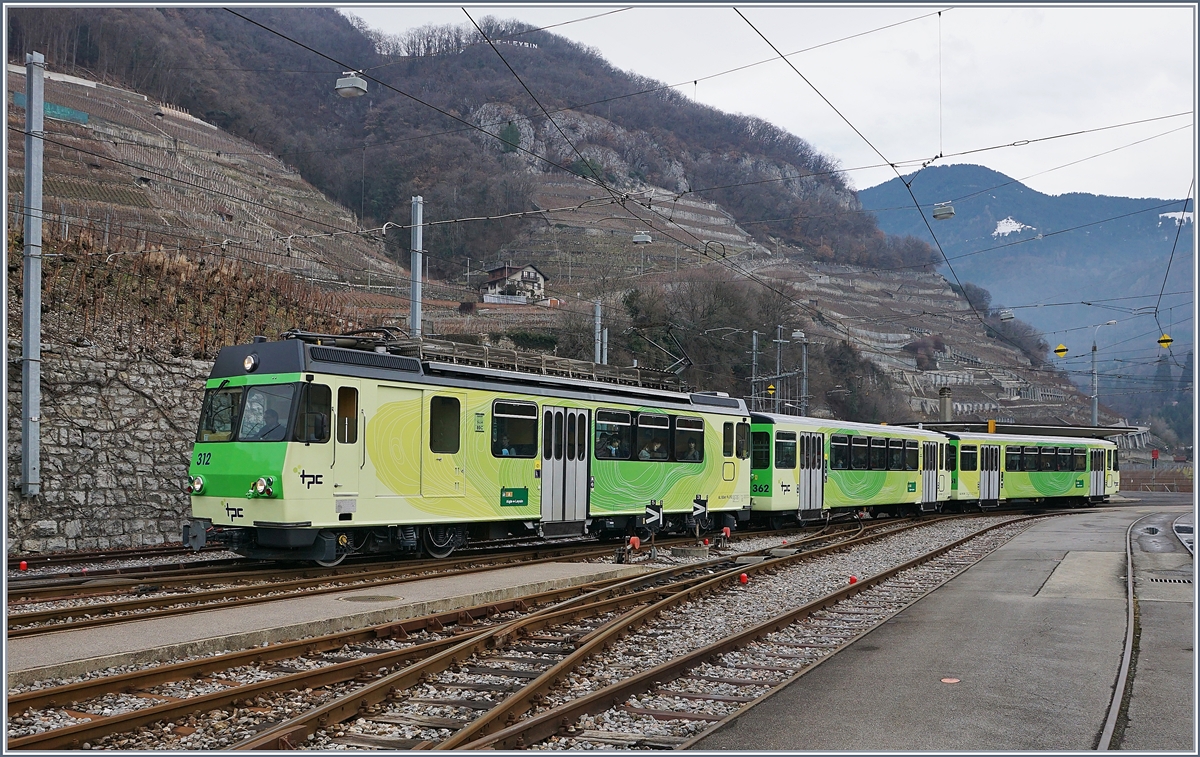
(777, 522)
(331, 563)
(439, 541)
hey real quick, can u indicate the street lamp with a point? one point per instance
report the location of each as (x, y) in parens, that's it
(351, 84)
(1095, 381)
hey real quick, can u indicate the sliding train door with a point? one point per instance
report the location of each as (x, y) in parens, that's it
(565, 489)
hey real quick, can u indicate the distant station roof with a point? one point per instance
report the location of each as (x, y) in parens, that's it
(1023, 429)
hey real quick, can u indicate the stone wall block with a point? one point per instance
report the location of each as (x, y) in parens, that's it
(44, 528)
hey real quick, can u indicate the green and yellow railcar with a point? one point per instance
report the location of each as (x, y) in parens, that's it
(310, 450)
(992, 469)
(809, 468)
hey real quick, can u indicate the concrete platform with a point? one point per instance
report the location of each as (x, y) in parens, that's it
(70, 653)
(1034, 633)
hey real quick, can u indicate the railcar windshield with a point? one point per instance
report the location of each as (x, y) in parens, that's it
(266, 413)
(220, 414)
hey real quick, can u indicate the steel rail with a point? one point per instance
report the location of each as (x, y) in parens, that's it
(549, 722)
(286, 734)
(52, 584)
(184, 574)
(290, 732)
(63, 558)
(1118, 699)
(74, 735)
(101, 726)
(176, 604)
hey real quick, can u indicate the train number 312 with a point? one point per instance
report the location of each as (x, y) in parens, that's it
(204, 458)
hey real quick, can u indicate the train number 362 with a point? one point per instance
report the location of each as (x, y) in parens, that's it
(760, 488)
(203, 458)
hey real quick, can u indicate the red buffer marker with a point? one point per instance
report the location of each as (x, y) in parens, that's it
(635, 542)
(726, 532)
(24, 565)
(706, 542)
(745, 579)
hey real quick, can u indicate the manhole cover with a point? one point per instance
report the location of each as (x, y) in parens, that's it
(369, 598)
(1183, 529)
(1151, 530)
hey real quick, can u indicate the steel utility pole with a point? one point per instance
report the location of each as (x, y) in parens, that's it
(597, 333)
(415, 263)
(779, 342)
(1095, 381)
(31, 322)
(754, 371)
(803, 338)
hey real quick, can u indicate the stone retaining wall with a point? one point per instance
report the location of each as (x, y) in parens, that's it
(117, 430)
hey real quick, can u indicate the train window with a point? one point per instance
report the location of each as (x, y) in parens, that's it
(878, 453)
(1079, 458)
(220, 413)
(347, 415)
(581, 422)
(1047, 458)
(1012, 459)
(951, 457)
(652, 435)
(895, 454)
(760, 450)
(312, 414)
(613, 431)
(839, 452)
(970, 457)
(1116, 465)
(1062, 460)
(727, 441)
(571, 438)
(557, 450)
(689, 440)
(1108, 459)
(743, 440)
(443, 425)
(860, 455)
(912, 455)
(514, 429)
(785, 450)
(266, 413)
(1029, 459)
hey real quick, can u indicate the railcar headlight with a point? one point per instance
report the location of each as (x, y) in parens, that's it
(250, 362)
(196, 485)
(262, 487)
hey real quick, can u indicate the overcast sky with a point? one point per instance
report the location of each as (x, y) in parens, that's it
(976, 77)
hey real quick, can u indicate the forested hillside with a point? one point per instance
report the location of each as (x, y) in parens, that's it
(490, 145)
(1066, 264)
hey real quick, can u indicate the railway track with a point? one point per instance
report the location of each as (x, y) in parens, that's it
(84, 602)
(469, 681)
(403, 642)
(101, 555)
(545, 699)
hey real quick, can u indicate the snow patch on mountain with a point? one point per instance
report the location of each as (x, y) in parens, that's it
(1179, 218)
(1008, 226)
